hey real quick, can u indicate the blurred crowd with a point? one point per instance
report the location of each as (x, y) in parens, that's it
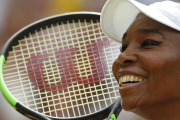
(15, 14)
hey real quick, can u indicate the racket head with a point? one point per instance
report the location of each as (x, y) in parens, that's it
(76, 24)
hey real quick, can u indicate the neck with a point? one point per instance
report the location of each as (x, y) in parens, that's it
(169, 111)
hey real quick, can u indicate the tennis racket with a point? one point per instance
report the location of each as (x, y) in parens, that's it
(59, 68)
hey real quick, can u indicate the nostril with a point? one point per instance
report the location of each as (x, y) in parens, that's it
(127, 58)
(128, 61)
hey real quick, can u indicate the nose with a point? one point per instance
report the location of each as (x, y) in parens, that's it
(127, 57)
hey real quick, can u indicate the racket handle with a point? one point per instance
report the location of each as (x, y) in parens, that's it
(116, 110)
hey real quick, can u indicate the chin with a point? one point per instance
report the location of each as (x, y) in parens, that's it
(128, 105)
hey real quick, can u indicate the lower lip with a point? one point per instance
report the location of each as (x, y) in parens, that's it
(131, 86)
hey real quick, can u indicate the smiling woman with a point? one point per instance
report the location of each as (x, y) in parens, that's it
(148, 67)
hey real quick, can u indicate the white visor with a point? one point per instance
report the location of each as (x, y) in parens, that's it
(118, 15)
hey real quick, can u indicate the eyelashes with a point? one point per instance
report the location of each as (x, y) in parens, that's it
(145, 44)
(123, 48)
(150, 43)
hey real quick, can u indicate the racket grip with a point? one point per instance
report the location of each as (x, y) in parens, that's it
(116, 110)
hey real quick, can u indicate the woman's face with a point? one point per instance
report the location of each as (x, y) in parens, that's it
(148, 69)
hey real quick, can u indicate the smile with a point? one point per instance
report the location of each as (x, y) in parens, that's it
(129, 79)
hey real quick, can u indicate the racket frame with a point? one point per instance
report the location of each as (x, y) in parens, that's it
(25, 32)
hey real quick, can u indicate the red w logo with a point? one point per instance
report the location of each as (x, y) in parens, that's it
(60, 69)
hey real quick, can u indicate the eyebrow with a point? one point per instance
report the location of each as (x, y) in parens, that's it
(147, 31)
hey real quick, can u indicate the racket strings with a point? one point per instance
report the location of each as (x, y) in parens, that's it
(84, 64)
(20, 94)
(32, 48)
(12, 67)
(11, 57)
(67, 31)
(42, 81)
(103, 44)
(40, 60)
(48, 39)
(68, 96)
(85, 95)
(21, 62)
(76, 105)
(108, 59)
(15, 81)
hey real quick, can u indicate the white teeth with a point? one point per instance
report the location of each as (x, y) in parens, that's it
(129, 78)
(132, 78)
(120, 80)
(140, 79)
(123, 85)
(136, 78)
(124, 79)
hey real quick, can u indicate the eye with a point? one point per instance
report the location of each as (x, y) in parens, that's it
(150, 43)
(123, 48)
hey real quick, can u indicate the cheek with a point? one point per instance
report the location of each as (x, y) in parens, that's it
(166, 66)
(115, 68)
(164, 71)
(160, 63)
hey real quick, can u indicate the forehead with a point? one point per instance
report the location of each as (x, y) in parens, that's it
(145, 25)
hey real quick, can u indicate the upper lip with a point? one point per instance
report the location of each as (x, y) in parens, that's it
(123, 72)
